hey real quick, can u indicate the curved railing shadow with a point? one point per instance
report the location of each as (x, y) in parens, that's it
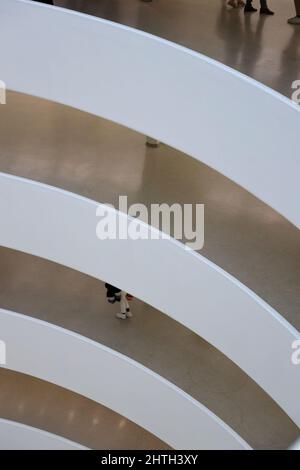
(160, 89)
(79, 364)
(61, 227)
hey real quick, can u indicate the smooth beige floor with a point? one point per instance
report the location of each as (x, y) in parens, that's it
(46, 406)
(78, 152)
(84, 154)
(70, 149)
(265, 48)
(77, 302)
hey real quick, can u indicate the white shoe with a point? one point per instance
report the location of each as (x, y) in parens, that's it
(121, 316)
(295, 20)
(128, 313)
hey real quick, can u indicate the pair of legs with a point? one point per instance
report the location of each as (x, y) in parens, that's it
(263, 7)
(296, 19)
(125, 309)
(113, 295)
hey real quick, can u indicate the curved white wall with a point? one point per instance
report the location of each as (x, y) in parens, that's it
(295, 446)
(160, 89)
(79, 364)
(60, 226)
(17, 436)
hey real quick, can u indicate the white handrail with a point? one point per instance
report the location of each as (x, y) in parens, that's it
(160, 89)
(61, 226)
(17, 436)
(79, 364)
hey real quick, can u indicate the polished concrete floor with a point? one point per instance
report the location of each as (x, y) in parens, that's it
(95, 158)
(46, 406)
(100, 160)
(77, 302)
(265, 48)
(67, 148)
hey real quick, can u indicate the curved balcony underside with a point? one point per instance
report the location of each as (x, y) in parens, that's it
(78, 364)
(86, 155)
(275, 218)
(42, 405)
(60, 226)
(248, 43)
(111, 71)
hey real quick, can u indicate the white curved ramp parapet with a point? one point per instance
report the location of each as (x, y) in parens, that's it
(295, 446)
(160, 89)
(17, 436)
(61, 227)
(79, 364)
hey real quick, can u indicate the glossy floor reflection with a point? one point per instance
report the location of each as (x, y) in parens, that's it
(265, 48)
(77, 302)
(63, 147)
(92, 157)
(51, 408)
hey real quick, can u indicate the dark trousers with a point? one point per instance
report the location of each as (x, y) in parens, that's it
(263, 3)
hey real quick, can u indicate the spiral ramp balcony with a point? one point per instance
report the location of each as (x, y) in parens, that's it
(206, 361)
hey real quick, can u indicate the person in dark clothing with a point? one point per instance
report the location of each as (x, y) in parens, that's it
(264, 9)
(113, 294)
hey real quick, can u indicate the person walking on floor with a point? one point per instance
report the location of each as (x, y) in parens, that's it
(296, 19)
(113, 294)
